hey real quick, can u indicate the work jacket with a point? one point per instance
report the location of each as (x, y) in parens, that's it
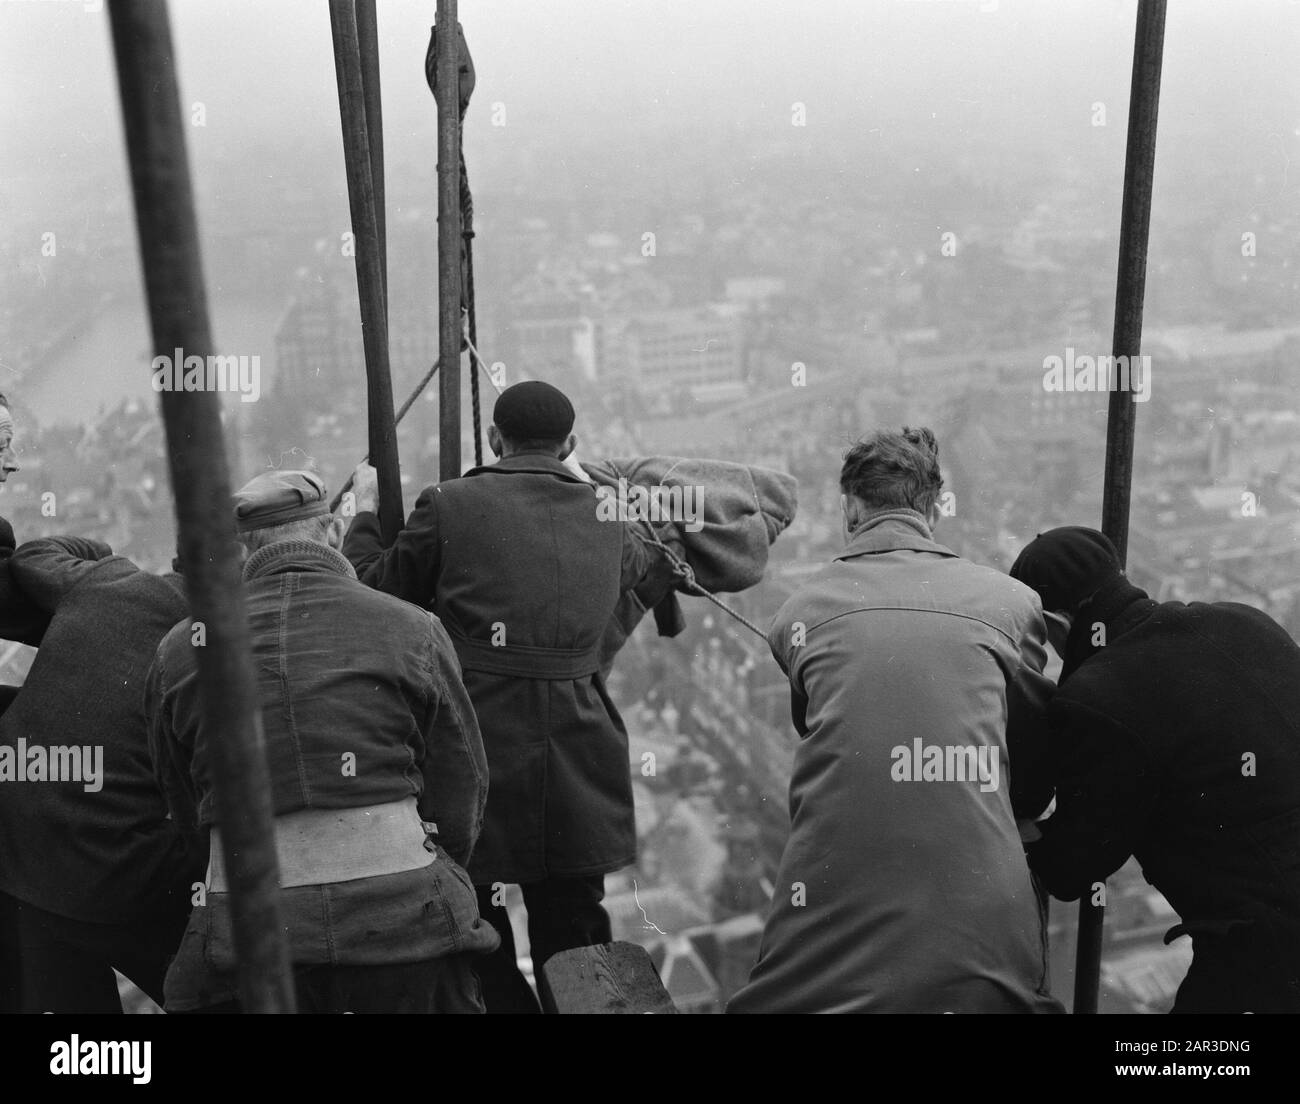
(518, 563)
(902, 888)
(362, 704)
(1176, 739)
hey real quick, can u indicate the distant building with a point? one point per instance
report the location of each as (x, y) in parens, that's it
(318, 339)
(697, 350)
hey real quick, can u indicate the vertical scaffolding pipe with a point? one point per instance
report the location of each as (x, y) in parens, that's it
(178, 315)
(370, 281)
(368, 41)
(1121, 422)
(447, 64)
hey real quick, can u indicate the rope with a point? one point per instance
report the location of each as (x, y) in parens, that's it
(483, 365)
(688, 582)
(468, 235)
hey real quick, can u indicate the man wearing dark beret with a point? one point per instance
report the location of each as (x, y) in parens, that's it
(516, 561)
(1176, 735)
(378, 777)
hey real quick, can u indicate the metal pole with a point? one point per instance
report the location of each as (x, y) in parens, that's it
(1121, 422)
(401, 413)
(368, 40)
(370, 280)
(449, 228)
(178, 315)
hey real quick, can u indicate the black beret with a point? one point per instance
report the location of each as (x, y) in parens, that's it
(533, 410)
(279, 497)
(1066, 566)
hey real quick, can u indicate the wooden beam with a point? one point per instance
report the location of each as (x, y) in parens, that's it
(1121, 422)
(447, 62)
(607, 979)
(178, 316)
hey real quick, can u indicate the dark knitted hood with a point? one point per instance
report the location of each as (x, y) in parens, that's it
(1118, 605)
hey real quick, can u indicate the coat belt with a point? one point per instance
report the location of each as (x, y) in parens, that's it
(525, 661)
(318, 846)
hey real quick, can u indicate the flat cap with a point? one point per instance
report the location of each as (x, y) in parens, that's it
(533, 410)
(279, 497)
(1066, 566)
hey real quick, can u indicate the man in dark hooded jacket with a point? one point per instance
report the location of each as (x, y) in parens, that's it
(1176, 739)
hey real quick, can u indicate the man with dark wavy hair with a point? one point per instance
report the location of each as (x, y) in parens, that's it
(903, 886)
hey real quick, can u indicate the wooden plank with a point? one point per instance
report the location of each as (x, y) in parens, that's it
(607, 979)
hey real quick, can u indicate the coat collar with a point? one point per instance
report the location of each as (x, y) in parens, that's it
(891, 530)
(1119, 605)
(296, 555)
(533, 463)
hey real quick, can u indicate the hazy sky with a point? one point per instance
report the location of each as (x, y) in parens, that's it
(996, 73)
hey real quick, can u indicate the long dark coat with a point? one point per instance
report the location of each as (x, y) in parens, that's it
(525, 576)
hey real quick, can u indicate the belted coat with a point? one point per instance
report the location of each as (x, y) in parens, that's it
(525, 573)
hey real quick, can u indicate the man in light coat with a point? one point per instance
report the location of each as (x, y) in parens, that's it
(917, 688)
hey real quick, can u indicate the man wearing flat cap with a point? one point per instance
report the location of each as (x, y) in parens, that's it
(378, 777)
(516, 561)
(1176, 739)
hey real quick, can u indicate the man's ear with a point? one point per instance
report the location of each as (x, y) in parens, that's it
(933, 515)
(570, 443)
(851, 507)
(494, 441)
(337, 530)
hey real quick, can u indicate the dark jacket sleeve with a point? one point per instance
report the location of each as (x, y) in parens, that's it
(1028, 738)
(408, 569)
(171, 761)
(638, 556)
(21, 619)
(47, 569)
(1102, 800)
(454, 763)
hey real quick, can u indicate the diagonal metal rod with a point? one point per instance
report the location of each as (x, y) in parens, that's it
(410, 400)
(447, 71)
(401, 413)
(178, 316)
(1121, 422)
(370, 282)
